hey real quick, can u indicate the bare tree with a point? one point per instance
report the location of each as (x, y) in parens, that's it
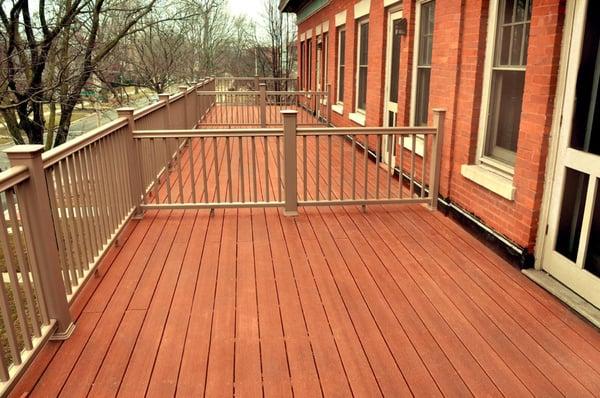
(50, 57)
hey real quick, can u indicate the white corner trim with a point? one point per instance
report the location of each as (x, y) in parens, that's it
(340, 18)
(387, 3)
(499, 184)
(358, 118)
(338, 108)
(361, 8)
(325, 27)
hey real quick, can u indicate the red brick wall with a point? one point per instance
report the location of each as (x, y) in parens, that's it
(459, 46)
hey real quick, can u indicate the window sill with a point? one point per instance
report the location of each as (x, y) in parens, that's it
(338, 108)
(418, 145)
(358, 118)
(499, 184)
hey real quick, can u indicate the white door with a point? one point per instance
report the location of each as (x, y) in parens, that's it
(392, 75)
(572, 245)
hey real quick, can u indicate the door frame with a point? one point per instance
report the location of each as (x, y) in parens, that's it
(390, 14)
(572, 275)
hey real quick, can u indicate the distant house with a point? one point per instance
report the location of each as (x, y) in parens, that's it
(519, 80)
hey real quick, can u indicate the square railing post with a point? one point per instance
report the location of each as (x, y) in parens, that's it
(166, 110)
(256, 82)
(34, 199)
(186, 120)
(435, 166)
(133, 163)
(290, 162)
(263, 104)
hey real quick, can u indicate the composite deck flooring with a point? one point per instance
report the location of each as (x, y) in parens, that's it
(393, 301)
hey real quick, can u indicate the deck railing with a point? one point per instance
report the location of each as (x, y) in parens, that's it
(262, 108)
(64, 209)
(259, 167)
(252, 83)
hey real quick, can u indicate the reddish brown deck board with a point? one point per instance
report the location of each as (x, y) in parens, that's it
(397, 300)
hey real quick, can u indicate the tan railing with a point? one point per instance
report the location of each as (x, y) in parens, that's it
(63, 209)
(252, 83)
(259, 167)
(263, 108)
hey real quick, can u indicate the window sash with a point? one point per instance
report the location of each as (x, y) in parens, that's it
(422, 63)
(362, 65)
(341, 66)
(501, 114)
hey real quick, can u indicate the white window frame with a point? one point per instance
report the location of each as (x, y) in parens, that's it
(358, 51)
(318, 63)
(340, 29)
(499, 166)
(419, 144)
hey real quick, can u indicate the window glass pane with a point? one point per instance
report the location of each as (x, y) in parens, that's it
(585, 135)
(342, 47)
(517, 45)
(592, 259)
(508, 8)
(422, 100)
(505, 112)
(362, 88)
(571, 213)
(364, 43)
(395, 64)
(341, 85)
(504, 41)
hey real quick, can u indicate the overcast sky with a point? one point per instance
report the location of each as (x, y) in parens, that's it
(251, 8)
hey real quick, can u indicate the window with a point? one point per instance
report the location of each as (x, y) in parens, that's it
(422, 72)
(308, 64)
(361, 69)
(501, 112)
(319, 64)
(341, 64)
(302, 64)
(325, 61)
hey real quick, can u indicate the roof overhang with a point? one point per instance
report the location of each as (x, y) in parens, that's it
(292, 5)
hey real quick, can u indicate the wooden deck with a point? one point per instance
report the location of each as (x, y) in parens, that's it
(395, 301)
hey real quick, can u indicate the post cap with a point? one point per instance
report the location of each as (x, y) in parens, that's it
(262, 84)
(183, 88)
(23, 151)
(164, 96)
(289, 112)
(439, 110)
(127, 111)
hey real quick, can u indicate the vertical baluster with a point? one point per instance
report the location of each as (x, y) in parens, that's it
(342, 139)
(165, 144)
(390, 149)
(266, 145)
(192, 172)
(305, 166)
(329, 156)
(216, 156)
(78, 204)
(66, 257)
(157, 170)
(353, 166)
(401, 167)
(9, 329)
(179, 173)
(423, 165)
(13, 278)
(412, 165)
(279, 182)
(204, 173)
(366, 166)
(241, 166)
(254, 166)
(317, 166)
(77, 243)
(377, 165)
(84, 204)
(229, 179)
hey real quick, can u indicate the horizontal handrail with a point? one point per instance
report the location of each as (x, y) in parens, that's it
(308, 131)
(242, 132)
(60, 152)
(12, 177)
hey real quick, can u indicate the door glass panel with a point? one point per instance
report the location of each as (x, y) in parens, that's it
(395, 64)
(592, 260)
(586, 119)
(571, 213)
(391, 119)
